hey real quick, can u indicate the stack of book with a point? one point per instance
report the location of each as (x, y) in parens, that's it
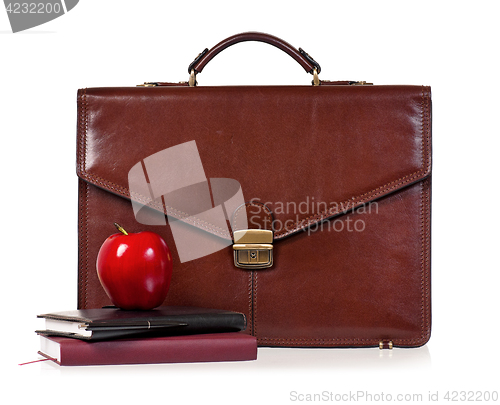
(163, 335)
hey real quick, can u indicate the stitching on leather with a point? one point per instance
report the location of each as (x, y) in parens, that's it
(124, 191)
(251, 204)
(87, 191)
(85, 127)
(345, 340)
(84, 212)
(256, 278)
(422, 225)
(80, 131)
(319, 340)
(370, 194)
(422, 262)
(236, 216)
(328, 213)
(427, 232)
(427, 262)
(80, 203)
(81, 229)
(418, 340)
(250, 300)
(140, 198)
(424, 208)
(84, 245)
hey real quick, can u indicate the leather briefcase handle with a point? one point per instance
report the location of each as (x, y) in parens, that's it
(307, 62)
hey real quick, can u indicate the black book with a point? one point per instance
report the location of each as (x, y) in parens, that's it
(112, 323)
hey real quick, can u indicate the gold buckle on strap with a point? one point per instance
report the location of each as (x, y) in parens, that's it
(253, 249)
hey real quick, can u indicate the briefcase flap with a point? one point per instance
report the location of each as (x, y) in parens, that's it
(307, 152)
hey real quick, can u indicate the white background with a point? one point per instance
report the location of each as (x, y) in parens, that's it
(452, 46)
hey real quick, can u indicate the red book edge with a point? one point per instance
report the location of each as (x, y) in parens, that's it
(214, 347)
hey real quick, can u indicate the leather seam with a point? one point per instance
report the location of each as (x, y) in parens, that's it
(425, 223)
(80, 199)
(422, 225)
(86, 283)
(278, 235)
(329, 213)
(347, 340)
(85, 129)
(426, 265)
(250, 300)
(256, 279)
(81, 239)
(85, 199)
(122, 190)
(251, 204)
(143, 199)
(426, 236)
(87, 191)
(83, 209)
(428, 261)
(422, 263)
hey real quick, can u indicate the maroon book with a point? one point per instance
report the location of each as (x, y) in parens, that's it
(232, 346)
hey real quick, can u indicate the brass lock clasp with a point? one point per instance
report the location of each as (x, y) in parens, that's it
(253, 248)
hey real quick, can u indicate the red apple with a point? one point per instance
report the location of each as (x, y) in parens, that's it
(135, 269)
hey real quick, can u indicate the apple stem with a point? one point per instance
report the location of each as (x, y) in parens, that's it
(121, 229)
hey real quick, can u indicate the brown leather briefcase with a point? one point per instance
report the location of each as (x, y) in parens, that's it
(336, 183)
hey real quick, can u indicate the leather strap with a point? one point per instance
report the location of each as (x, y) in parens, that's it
(308, 63)
(259, 215)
